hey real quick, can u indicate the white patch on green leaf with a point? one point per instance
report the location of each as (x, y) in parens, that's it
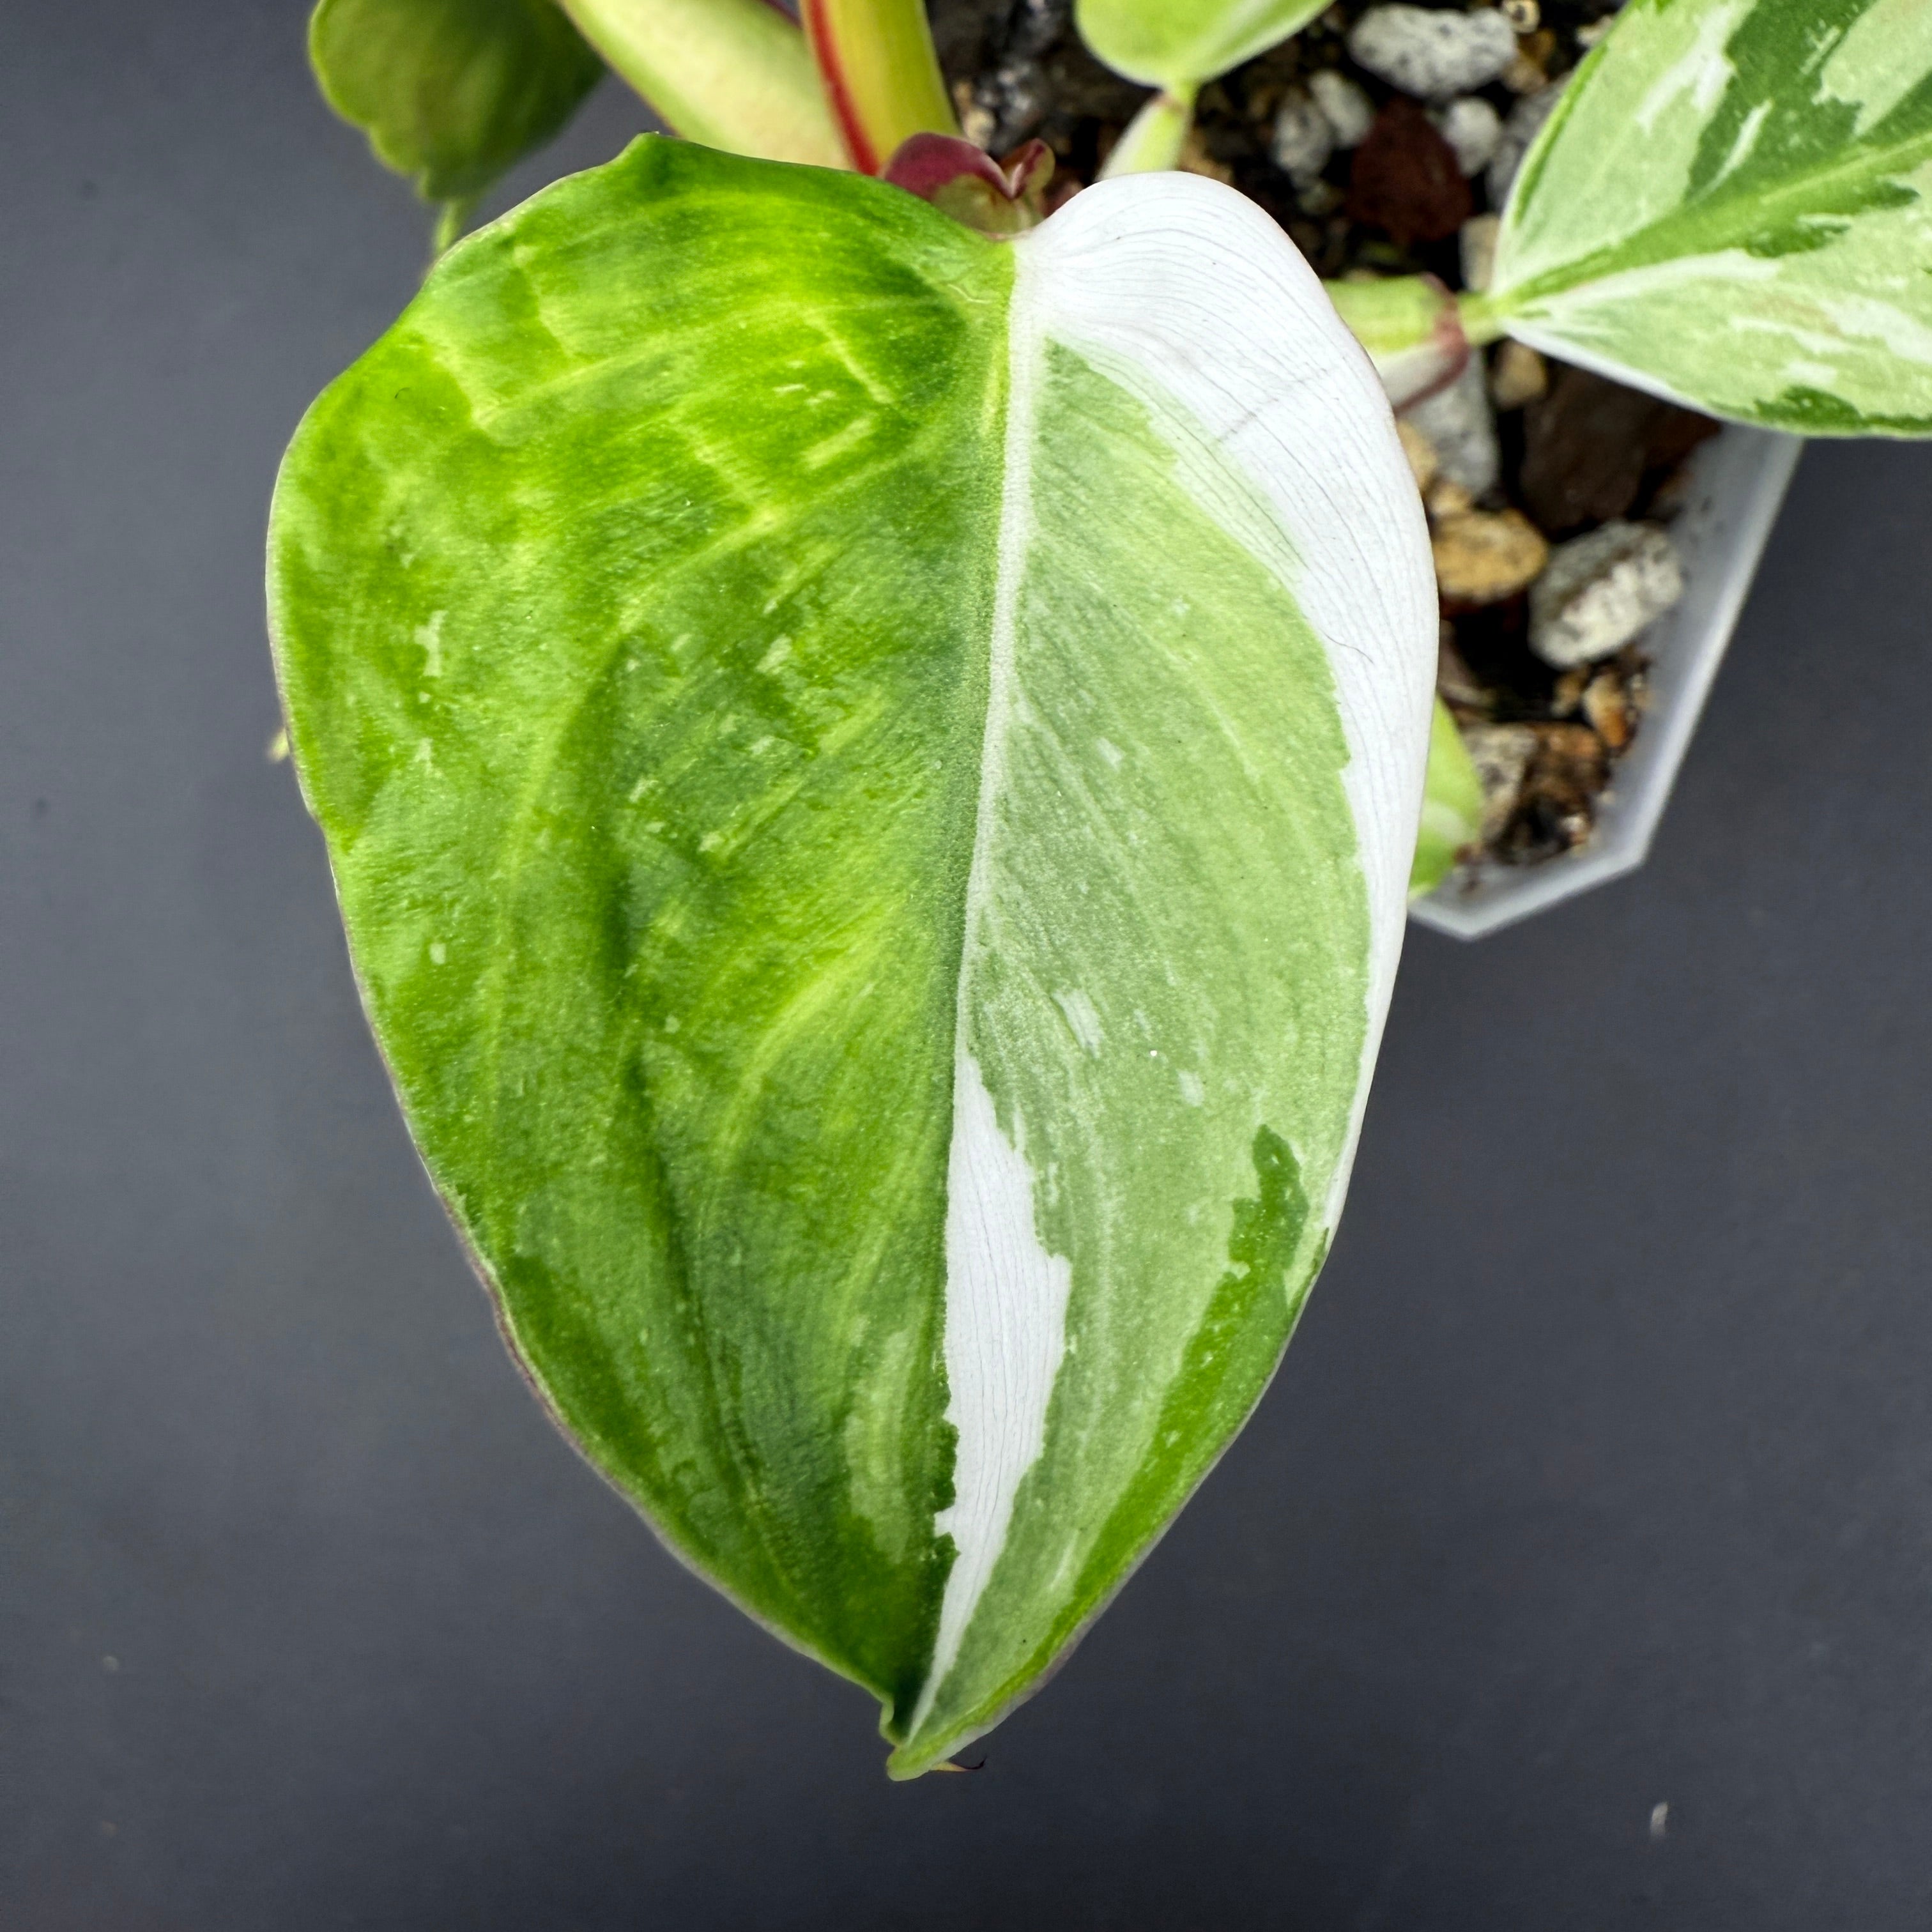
(1006, 1333)
(429, 638)
(1696, 78)
(1082, 1017)
(1886, 53)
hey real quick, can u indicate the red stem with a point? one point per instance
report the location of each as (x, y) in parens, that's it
(865, 157)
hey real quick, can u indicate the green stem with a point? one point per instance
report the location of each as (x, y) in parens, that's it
(452, 217)
(881, 75)
(1482, 319)
(735, 74)
(1155, 136)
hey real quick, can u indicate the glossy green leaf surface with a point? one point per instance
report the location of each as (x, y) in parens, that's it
(1729, 207)
(871, 780)
(450, 92)
(1178, 47)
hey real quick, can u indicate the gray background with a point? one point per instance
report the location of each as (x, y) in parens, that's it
(1600, 1477)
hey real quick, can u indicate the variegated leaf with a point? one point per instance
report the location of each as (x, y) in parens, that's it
(1729, 208)
(871, 774)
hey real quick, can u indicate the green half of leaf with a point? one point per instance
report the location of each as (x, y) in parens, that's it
(450, 92)
(871, 782)
(1729, 207)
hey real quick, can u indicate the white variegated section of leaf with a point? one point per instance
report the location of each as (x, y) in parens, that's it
(1730, 207)
(1224, 718)
(1884, 55)
(1244, 373)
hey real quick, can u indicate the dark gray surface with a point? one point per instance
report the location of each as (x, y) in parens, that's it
(1600, 1477)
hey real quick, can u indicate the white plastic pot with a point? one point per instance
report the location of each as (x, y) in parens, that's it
(1739, 480)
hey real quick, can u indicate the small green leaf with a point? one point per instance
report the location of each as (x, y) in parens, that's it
(1452, 805)
(1176, 47)
(1729, 207)
(871, 786)
(450, 92)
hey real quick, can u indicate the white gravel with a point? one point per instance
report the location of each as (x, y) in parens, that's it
(1472, 127)
(1304, 138)
(1350, 112)
(1601, 590)
(1461, 421)
(1434, 55)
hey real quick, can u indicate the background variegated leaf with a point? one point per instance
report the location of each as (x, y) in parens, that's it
(1178, 47)
(871, 775)
(1729, 207)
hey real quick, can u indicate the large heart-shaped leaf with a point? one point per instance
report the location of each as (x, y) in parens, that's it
(1729, 208)
(450, 92)
(871, 774)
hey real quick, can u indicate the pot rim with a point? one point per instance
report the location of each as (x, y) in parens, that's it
(1739, 480)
